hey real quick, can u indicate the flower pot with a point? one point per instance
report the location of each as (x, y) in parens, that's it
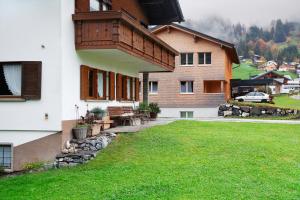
(80, 133)
(153, 115)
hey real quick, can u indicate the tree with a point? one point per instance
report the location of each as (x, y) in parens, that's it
(279, 34)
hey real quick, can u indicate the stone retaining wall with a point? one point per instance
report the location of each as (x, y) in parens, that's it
(252, 111)
(81, 151)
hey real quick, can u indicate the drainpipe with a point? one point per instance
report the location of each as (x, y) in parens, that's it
(145, 87)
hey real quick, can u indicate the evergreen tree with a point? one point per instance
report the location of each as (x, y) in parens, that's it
(279, 34)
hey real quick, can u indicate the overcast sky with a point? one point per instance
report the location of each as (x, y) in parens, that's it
(248, 12)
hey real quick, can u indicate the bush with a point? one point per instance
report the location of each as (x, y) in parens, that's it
(98, 111)
(33, 166)
(2, 171)
(143, 107)
(154, 108)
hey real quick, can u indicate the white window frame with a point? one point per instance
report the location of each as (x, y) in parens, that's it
(186, 87)
(151, 87)
(205, 58)
(11, 156)
(187, 59)
(186, 114)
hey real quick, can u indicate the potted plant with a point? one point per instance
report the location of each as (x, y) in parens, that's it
(81, 128)
(154, 110)
(98, 112)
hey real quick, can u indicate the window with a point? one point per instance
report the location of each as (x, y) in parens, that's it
(10, 79)
(20, 80)
(212, 86)
(100, 5)
(95, 84)
(186, 59)
(153, 87)
(5, 156)
(186, 114)
(187, 87)
(204, 58)
(129, 88)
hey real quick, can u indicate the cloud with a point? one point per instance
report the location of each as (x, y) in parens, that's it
(248, 12)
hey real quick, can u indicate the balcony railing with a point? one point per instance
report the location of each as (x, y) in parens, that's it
(117, 30)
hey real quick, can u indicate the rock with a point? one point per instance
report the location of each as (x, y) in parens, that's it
(236, 112)
(271, 111)
(236, 107)
(245, 109)
(65, 151)
(113, 135)
(67, 144)
(104, 142)
(255, 111)
(228, 105)
(222, 107)
(220, 113)
(93, 148)
(93, 143)
(263, 112)
(62, 164)
(227, 113)
(99, 146)
(295, 112)
(245, 114)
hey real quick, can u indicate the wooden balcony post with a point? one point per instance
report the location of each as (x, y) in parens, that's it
(145, 87)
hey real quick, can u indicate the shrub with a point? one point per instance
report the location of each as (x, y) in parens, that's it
(98, 111)
(33, 166)
(2, 171)
(143, 107)
(154, 108)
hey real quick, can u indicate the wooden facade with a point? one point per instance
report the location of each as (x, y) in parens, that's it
(122, 28)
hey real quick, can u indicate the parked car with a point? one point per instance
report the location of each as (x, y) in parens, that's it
(255, 97)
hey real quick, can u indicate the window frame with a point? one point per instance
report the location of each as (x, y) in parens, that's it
(187, 59)
(95, 95)
(108, 5)
(11, 156)
(150, 87)
(205, 54)
(186, 114)
(13, 96)
(187, 87)
(211, 81)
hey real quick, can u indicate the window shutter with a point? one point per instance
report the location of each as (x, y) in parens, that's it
(112, 86)
(124, 89)
(31, 80)
(119, 87)
(82, 6)
(137, 89)
(84, 82)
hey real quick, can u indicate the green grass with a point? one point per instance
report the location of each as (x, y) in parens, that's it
(182, 160)
(244, 71)
(286, 101)
(291, 74)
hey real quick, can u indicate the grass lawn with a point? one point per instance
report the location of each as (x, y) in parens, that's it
(182, 160)
(285, 101)
(244, 71)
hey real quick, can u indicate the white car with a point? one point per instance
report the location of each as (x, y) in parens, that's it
(254, 97)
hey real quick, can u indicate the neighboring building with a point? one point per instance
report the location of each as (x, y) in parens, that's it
(275, 81)
(202, 75)
(285, 67)
(258, 60)
(56, 54)
(269, 66)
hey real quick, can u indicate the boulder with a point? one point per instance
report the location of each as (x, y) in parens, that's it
(227, 113)
(245, 114)
(236, 112)
(222, 107)
(255, 111)
(245, 109)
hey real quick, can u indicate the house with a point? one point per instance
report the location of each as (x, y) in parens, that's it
(57, 54)
(258, 60)
(201, 78)
(276, 81)
(268, 66)
(285, 67)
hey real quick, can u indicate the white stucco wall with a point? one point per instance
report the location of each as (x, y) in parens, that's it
(71, 61)
(198, 112)
(24, 27)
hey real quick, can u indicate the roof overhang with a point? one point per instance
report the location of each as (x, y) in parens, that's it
(229, 47)
(161, 12)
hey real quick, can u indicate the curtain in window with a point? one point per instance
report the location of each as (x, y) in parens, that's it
(100, 84)
(13, 74)
(128, 88)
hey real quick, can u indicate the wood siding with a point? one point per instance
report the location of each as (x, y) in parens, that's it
(116, 30)
(169, 83)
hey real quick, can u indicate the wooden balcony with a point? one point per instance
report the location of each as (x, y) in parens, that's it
(118, 30)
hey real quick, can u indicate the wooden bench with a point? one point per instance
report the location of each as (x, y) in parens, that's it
(123, 114)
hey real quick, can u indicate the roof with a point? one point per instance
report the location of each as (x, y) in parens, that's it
(226, 45)
(269, 72)
(161, 12)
